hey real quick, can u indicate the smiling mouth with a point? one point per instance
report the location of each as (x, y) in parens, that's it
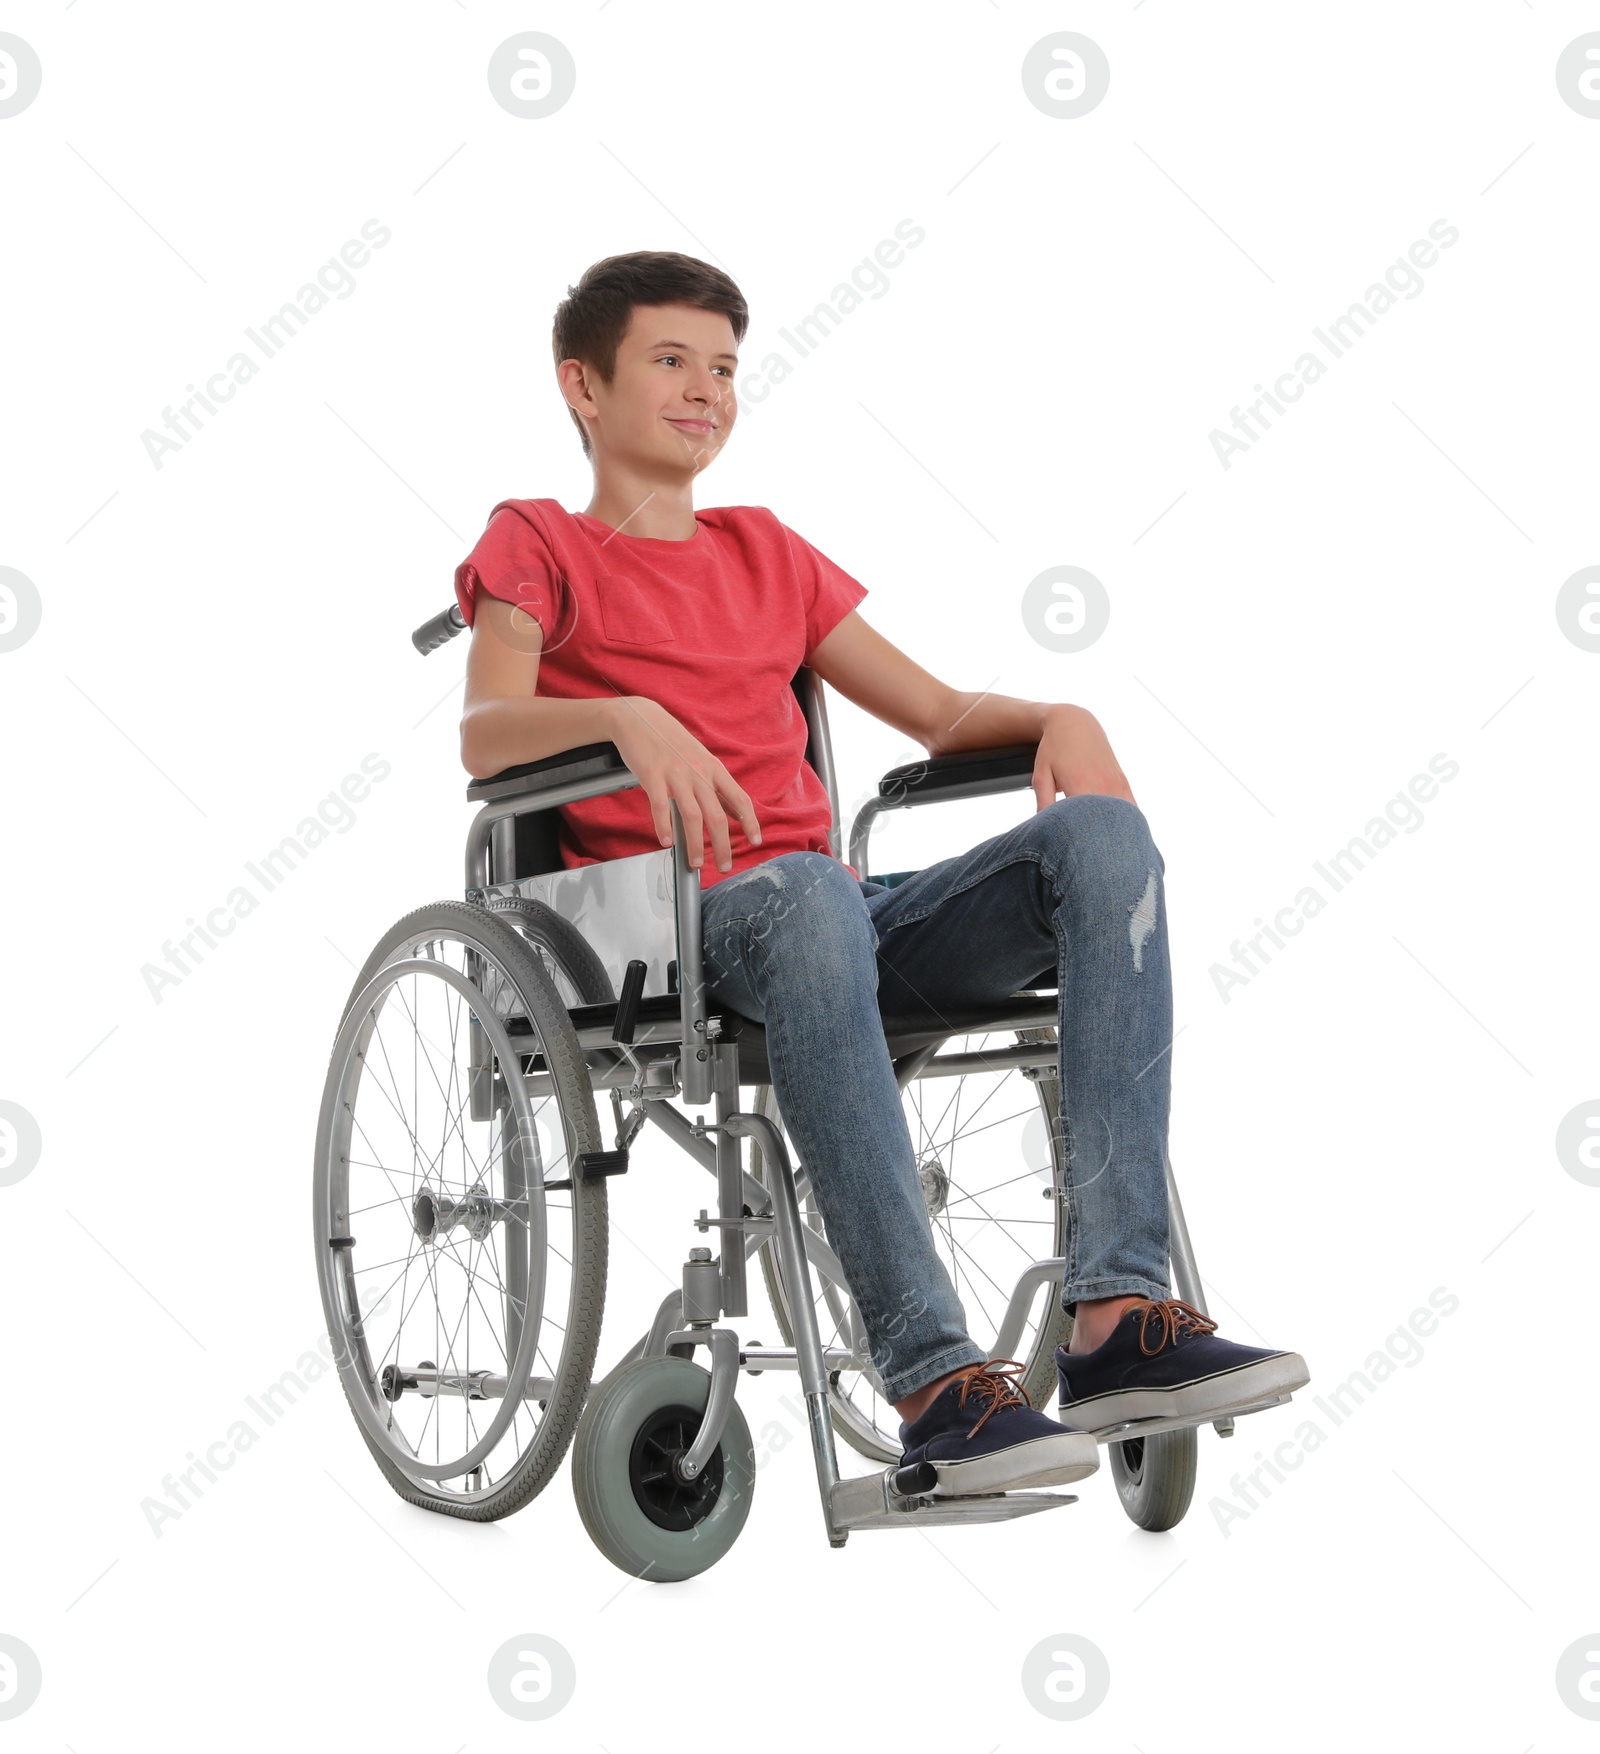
(694, 425)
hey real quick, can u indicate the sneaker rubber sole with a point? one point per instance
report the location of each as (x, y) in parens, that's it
(1042, 1461)
(1212, 1397)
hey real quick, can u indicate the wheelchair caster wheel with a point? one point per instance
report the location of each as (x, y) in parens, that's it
(1155, 1476)
(639, 1513)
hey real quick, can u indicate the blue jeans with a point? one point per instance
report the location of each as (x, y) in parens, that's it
(1071, 897)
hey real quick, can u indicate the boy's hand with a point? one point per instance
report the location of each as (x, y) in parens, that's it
(1074, 757)
(671, 764)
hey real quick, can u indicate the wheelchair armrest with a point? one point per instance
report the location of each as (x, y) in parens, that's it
(970, 773)
(588, 762)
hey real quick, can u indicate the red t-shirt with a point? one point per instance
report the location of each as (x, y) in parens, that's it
(713, 628)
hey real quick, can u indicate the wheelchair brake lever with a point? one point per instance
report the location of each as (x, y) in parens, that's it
(628, 1004)
(622, 1030)
(628, 1129)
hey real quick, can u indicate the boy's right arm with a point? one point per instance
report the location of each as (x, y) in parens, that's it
(504, 723)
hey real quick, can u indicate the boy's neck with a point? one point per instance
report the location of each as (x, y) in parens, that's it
(638, 506)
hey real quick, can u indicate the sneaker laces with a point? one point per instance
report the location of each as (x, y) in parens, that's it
(1174, 1318)
(999, 1382)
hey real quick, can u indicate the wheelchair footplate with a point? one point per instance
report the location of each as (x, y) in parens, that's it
(871, 1501)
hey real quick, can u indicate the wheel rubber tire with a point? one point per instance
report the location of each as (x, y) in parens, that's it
(1155, 1476)
(576, 1365)
(562, 941)
(616, 1411)
(1042, 1382)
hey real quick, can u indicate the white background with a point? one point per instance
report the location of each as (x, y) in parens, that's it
(1373, 583)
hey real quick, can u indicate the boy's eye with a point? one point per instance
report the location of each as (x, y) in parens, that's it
(727, 370)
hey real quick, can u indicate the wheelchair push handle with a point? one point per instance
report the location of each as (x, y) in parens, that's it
(440, 630)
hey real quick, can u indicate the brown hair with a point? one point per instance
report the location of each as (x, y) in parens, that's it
(594, 316)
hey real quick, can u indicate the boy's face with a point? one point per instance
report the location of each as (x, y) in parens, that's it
(670, 403)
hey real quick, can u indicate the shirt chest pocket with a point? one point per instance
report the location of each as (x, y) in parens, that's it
(630, 612)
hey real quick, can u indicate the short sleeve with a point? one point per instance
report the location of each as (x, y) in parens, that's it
(828, 591)
(513, 561)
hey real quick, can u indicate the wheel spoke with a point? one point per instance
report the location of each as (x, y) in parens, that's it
(450, 1295)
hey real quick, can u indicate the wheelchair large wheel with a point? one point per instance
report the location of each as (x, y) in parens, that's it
(637, 1511)
(463, 1287)
(989, 1156)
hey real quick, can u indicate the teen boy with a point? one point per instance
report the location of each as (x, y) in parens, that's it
(674, 635)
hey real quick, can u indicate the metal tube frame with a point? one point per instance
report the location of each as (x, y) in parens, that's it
(808, 1342)
(709, 1069)
(1185, 1274)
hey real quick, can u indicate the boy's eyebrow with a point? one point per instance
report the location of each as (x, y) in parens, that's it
(687, 348)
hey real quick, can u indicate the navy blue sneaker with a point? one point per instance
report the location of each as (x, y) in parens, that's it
(982, 1435)
(1163, 1360)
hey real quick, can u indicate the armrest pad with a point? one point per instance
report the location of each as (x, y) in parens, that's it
(589, 761)
(970, 773)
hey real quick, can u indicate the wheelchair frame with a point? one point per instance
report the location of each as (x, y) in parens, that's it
(688, 1048)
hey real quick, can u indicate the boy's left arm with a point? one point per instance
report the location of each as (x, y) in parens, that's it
(1073, 756)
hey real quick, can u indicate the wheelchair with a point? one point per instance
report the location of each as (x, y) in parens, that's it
(462, 1184)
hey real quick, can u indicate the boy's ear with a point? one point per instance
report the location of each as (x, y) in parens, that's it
(572, 376)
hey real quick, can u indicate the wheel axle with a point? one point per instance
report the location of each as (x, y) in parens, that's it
(395, 1380)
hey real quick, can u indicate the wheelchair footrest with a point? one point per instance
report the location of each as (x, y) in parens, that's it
(591, 1165)
(870, 1502)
